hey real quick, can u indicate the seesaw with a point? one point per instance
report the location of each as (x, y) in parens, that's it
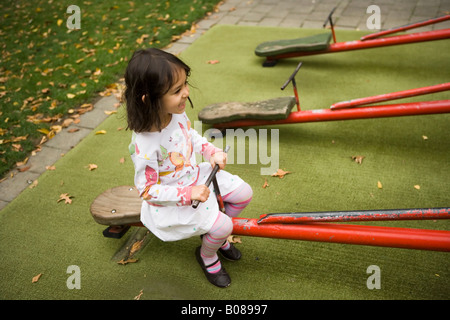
(278, 110)
(276, 50)
(119, 208)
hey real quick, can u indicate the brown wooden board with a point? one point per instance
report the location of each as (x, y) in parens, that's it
(271, 109)
(117, 206)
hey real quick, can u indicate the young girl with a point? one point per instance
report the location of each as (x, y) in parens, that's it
(167, 176)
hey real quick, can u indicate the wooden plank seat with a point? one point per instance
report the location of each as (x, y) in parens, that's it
(118, 208)
(317, 42)
(271, 109)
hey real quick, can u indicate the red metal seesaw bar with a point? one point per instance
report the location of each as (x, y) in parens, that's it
(419, 239)
(406, 27)
(372, 41)
(305, 226)
(380, 111)
(391, 96)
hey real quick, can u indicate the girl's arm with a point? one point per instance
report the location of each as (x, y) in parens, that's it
(202, 146)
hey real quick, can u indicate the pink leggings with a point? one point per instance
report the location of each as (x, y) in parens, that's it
(235, 202)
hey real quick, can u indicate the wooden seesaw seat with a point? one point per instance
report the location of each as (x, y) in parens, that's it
(316, 42)
(118, 208)
(271, 109)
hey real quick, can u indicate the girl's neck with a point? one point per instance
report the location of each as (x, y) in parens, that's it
(165, 120)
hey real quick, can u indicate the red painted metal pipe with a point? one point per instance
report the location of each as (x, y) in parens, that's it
(391, 96)
(393, 110)
(407, 27)
(363, 215)
(371, 43)
(420, 239)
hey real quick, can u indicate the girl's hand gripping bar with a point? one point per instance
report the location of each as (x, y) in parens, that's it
(212, 175)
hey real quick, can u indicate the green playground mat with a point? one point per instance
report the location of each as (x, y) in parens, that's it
(39, 235)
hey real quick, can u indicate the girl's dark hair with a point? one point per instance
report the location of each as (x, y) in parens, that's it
(151, 73)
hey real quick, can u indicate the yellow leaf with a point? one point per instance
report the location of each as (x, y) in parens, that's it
(71, 95)
(59, 22)
(417, 187)
(44, 131)
(101, 132)
(379, 185)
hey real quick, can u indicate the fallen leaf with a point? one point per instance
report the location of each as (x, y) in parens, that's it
(66, 198)
(36, 278)
(417, 187)
(379, 185)
(71, 95)
(234, 239)
(122, 160)
(101, 132)
(138, 297)
(266, 184)
(213, 61)
(50, 167)
(358, 159)
(34, 184)
(424, 137)
(135, 247)
(126, 261)
(280, 173)
(23, 169)
(92, 166)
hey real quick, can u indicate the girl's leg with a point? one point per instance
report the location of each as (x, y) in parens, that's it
(213, 240)
(237, 200)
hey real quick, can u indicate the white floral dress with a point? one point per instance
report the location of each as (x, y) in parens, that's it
(165, 172)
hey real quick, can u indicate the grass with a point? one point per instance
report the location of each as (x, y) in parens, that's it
(48, 71)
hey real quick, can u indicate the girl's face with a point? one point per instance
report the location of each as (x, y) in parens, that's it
(174, 101)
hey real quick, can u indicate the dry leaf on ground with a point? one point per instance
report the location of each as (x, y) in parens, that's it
(358, 159)
(66, 198)
(379, 185)
(138, 297)
(280, 173)
(92, 166)
(126, 261)
(36, 278)
(234, 239)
